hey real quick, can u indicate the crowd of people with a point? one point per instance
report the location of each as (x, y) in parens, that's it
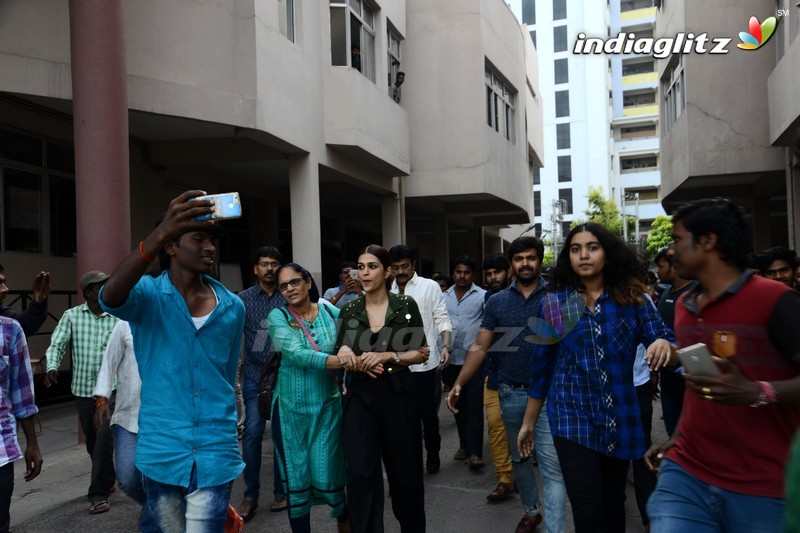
(564, 364)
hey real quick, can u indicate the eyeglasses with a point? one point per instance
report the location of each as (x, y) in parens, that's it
(283, 287)
(265, 264)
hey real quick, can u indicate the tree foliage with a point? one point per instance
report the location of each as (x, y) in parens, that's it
(604, 211)
(660, 235)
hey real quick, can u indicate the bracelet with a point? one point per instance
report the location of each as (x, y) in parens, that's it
(144, 255)
(100, 401)
(396, 357)
(766, 395)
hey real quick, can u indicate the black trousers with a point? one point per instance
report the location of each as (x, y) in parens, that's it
(595, 485)
(469, 419)
(673, 387)
(6, 489)
(427, 388)
(644, 479)
(381, 421)
(100, 447)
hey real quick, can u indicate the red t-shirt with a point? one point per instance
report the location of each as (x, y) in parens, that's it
(740, 448)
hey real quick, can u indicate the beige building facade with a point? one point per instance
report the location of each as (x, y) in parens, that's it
(727, 120)
(268, 99)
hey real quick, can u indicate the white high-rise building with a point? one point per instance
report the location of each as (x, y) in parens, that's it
(575, 94)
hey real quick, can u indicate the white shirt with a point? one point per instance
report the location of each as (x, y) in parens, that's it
(120, 361)
(430, 300)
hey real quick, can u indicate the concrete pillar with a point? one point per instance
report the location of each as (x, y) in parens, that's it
(306, 230)
(793, 197)
(100, 108)
(391, 221)
(441, 243)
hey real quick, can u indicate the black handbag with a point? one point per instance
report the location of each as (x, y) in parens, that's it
(267, 384)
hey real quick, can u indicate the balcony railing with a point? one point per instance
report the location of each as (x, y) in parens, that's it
(639, 110)
(636, 79)
(635, 14)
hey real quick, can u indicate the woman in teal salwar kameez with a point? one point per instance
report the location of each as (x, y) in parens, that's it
(307, 406)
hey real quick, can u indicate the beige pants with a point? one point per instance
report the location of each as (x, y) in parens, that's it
(497, 436)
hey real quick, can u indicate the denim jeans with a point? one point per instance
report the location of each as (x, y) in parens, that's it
(129, 479)
(173, 509)
(513, 402)
(252, 439)
(681, 502)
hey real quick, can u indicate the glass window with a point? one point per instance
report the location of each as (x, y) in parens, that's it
(20, 147)
(529, 12)
(561, 67)
(673, 86)
(353, 36)
(500, 98)
(339, 47)
(562, 103)
(560, 39)
(537, 203)
(565, 227)
(533, 38)
(638, 67)
(62, 217)
(564, 168)
(562, 136)
(537, 230)
(393, 61)
(286, 18)
(559, 9)
(22, 195)
(537, 174)
(565, 195)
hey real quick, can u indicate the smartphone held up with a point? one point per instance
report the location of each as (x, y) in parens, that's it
(226, 206)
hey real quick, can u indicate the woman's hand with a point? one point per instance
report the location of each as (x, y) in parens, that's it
(658, 354)
(370, 361)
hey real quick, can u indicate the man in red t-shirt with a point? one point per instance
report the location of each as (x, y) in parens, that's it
(723, 469)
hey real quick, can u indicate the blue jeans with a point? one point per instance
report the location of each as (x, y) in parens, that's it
(129, 479)
(513, 402)
(174, 509)
(681, 502)
(252, 439)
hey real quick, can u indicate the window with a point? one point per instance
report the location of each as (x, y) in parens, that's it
(565, 195)
(562, 136)
(36, 178)
(529, 12)
(641, 98)
(392, 57)
(537, 203)
(565, 227)
(673, 86)
(562, 103)
(353, 36)
(537, 177)
(499, 104)
(559, 9)
(564, 168)
(286, 18)
(560, 39)
(630, 5)
(637, 132)
(537, 230)
(638, 67)
(636, 163)
(533, 37)
(561, 67)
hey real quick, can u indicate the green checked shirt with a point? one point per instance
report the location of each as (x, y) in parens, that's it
(89, 335)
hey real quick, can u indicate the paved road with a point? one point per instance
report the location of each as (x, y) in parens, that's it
(55, 501)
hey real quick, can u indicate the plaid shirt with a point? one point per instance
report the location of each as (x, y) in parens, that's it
(16, 387)
(587, 372)
(258, 348)
(89, 335)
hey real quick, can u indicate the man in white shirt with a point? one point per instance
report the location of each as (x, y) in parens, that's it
(426, 376)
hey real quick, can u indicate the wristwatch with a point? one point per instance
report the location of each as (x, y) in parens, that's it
(397, 357)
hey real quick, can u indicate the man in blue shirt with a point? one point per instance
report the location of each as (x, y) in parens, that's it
(465, 302)
(187, 332)
(506, 330)
(258, 301)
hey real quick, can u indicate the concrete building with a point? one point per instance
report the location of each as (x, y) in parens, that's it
(268, 99)
(726, 120)
(575, 91)
(635, 177)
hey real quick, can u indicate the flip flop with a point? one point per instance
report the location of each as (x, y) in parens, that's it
(99, 507)
(280, 504)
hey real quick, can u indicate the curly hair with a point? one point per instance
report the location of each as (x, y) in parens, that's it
(622, 272)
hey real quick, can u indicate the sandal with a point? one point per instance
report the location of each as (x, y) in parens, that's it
(99, 507)
(280, 504)
(501, 492)
(247, 509)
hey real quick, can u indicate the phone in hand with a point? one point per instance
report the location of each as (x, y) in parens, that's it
(354, 274)
(226, 206)
(697, 360)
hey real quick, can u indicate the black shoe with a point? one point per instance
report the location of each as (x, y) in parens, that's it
(433, 463)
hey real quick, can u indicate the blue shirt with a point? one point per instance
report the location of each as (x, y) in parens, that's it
(583, 365)
(188, 413)
(349, 296)
(507, 314)
(258, 348)
(465, 317)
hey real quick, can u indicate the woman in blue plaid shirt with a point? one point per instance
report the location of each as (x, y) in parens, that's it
(585, 340)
